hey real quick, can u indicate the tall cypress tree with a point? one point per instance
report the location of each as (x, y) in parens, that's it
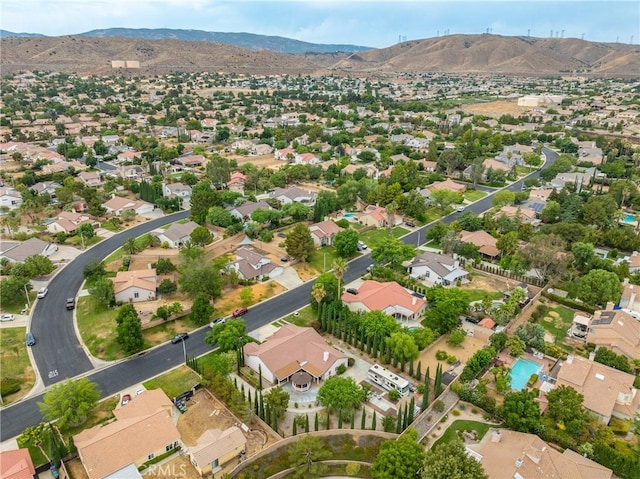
(260, 377)
(411, 372)
(399, 421)
(412, 408)
(306, 423)
(353, 420)
(363, 421)
(418, 375)
(328, 423)
(295, 428)
(374, 421)
(316, 423)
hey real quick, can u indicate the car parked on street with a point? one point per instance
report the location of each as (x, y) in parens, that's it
(239, 312)
(31, 339)
(71, 303)
(179, 337)
(42, 292)
(216, 322)
(7, 317)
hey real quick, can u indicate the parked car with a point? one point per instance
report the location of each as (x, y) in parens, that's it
(216, 322)
(239, 312)
(460, 207)
(362, 245)
(284, 259)
(179, 337)
(352, 291)
(42, 292)
(7, 317)
(125, 399)
(31, 339)
(369, 268)
(71, 303)
(411, 224)
(281, 235)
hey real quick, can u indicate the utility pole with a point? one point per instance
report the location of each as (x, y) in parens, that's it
(27, 295)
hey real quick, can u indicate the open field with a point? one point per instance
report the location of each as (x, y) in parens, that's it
(462, 353)
(14, 361)
(175, 382)
(494, 108)
(374, 237)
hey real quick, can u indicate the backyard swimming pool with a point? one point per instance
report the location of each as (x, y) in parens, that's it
(348, 215)
(629, 218)
(521, 371)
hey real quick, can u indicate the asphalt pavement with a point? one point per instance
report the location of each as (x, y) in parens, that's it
(59, 354)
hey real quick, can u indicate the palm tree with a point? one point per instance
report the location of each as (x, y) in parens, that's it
(339, 266)
(318, 292)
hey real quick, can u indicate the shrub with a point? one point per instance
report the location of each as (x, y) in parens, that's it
(451, 359)
(532, 380)
(455, 412)
(341, 369)
(353, 468)
(438, 405)
(342, 223)
(441, 355)
(9, 386)
(394, 395)
(351, 362)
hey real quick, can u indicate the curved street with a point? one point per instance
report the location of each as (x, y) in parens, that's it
(59, 354)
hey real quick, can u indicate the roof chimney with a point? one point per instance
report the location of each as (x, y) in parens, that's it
(414, 300)
(325, 356)
(570, 359)
(495, 436)
(610, 306)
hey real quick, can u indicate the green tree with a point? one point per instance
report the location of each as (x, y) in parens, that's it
(246, 296)
(551, 212)
(12, 289)
(583, 254)
(167, 287)
(508, 243)
(70, 403)
(599, 286)
(197, 277)
(346, 243)
(445, 198)
(278, 400)
(403, 348)
(544, 253)
(565, 408)
(532, 335)
(392, 251)
(521, 412)
(339, 267)
(202, 310)
(93, 269)
(305, 456)
(449, 460)
(201, 236)
(229, 335)
(400, 458)
(601, 211)
(131, 246)
(617, 361)
(329, 284)
(515, 345)
(298, 243)
(129, 329)
(447, 304)
(503, 198)
(477, 363)
(102, 291)
(326, 203)
(219, 216)
(37, 265)
(203, 197)
(456, 337)
(341, 394)
(377, 325)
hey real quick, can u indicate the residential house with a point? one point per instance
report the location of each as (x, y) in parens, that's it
(378, 217)
(68, 222)
(437, 268)
(389, 297)
(177, 234)
(506, 454)
(447, 184)
(17, 464)
(10, 198)
(90, 178)
(613, 329)
(292, 351)
(306, 159)
(607, 392)
(522, 213)
(589, 152)
(178, 190)
(128, 172)
(293, 194)
(324, 232)
(245, 210)
(46, 188)
(118, 204)
(135, 285)
(540, 194)
(191, 160)
(252, 263)
(484, 241)
(634, 262)
(143, 430)
(630, 299)
(428, 165)
(285, 154)
(215, 448)
(236, 182)
(577, 178)
(127, 156)
(18, 251)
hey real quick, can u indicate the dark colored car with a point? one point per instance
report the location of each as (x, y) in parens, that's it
(71, 303)
(411, 224)
(284, 259)
(31, 339)
(239, 312)
(352, 291)
(179, 337)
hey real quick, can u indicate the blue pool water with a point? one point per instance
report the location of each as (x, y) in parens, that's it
(348, 215)
(629, 218)
(521, 371)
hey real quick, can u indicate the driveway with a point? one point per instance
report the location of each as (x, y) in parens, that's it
(289, 278)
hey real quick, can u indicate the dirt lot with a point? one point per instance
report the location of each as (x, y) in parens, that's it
(230, 299)
(76, 469)
(495, 108)
(462, 353)
(261, 161)
(484, 282)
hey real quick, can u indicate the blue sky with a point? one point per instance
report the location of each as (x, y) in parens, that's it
(360, 22)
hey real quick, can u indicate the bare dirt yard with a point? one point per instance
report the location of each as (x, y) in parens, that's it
(495, 108)
(462, 353)
(261, 161)
(490, 283)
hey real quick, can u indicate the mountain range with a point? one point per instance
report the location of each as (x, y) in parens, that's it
(250, 41)
(491, 54)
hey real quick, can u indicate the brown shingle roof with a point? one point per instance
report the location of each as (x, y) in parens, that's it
(216, 443)
(16, 464)
(142, 278)
(376, 296)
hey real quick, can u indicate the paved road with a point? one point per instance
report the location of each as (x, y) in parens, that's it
(72, 361)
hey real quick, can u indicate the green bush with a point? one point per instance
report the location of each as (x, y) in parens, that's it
(441, 355)
(532, 380)
(569, 302)
(451, 359)
(394, 395)
(351, 362)
(455, 412)
(438, 405)
(9, 386)
(341, 369)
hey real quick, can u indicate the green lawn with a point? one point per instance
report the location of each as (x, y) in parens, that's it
(450, 434)
(117, 254)
(16, 306)
(479, 294)
(77, 241)
(14, 361)
(474, 195)
(174, 382)
(374, 237)
(97, 326)
(433, 214)
(304, 319)
(558, 326)
(322, 258)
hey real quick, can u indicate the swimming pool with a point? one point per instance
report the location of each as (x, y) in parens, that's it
(521, 371)
(348, 215)
(629, 218)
